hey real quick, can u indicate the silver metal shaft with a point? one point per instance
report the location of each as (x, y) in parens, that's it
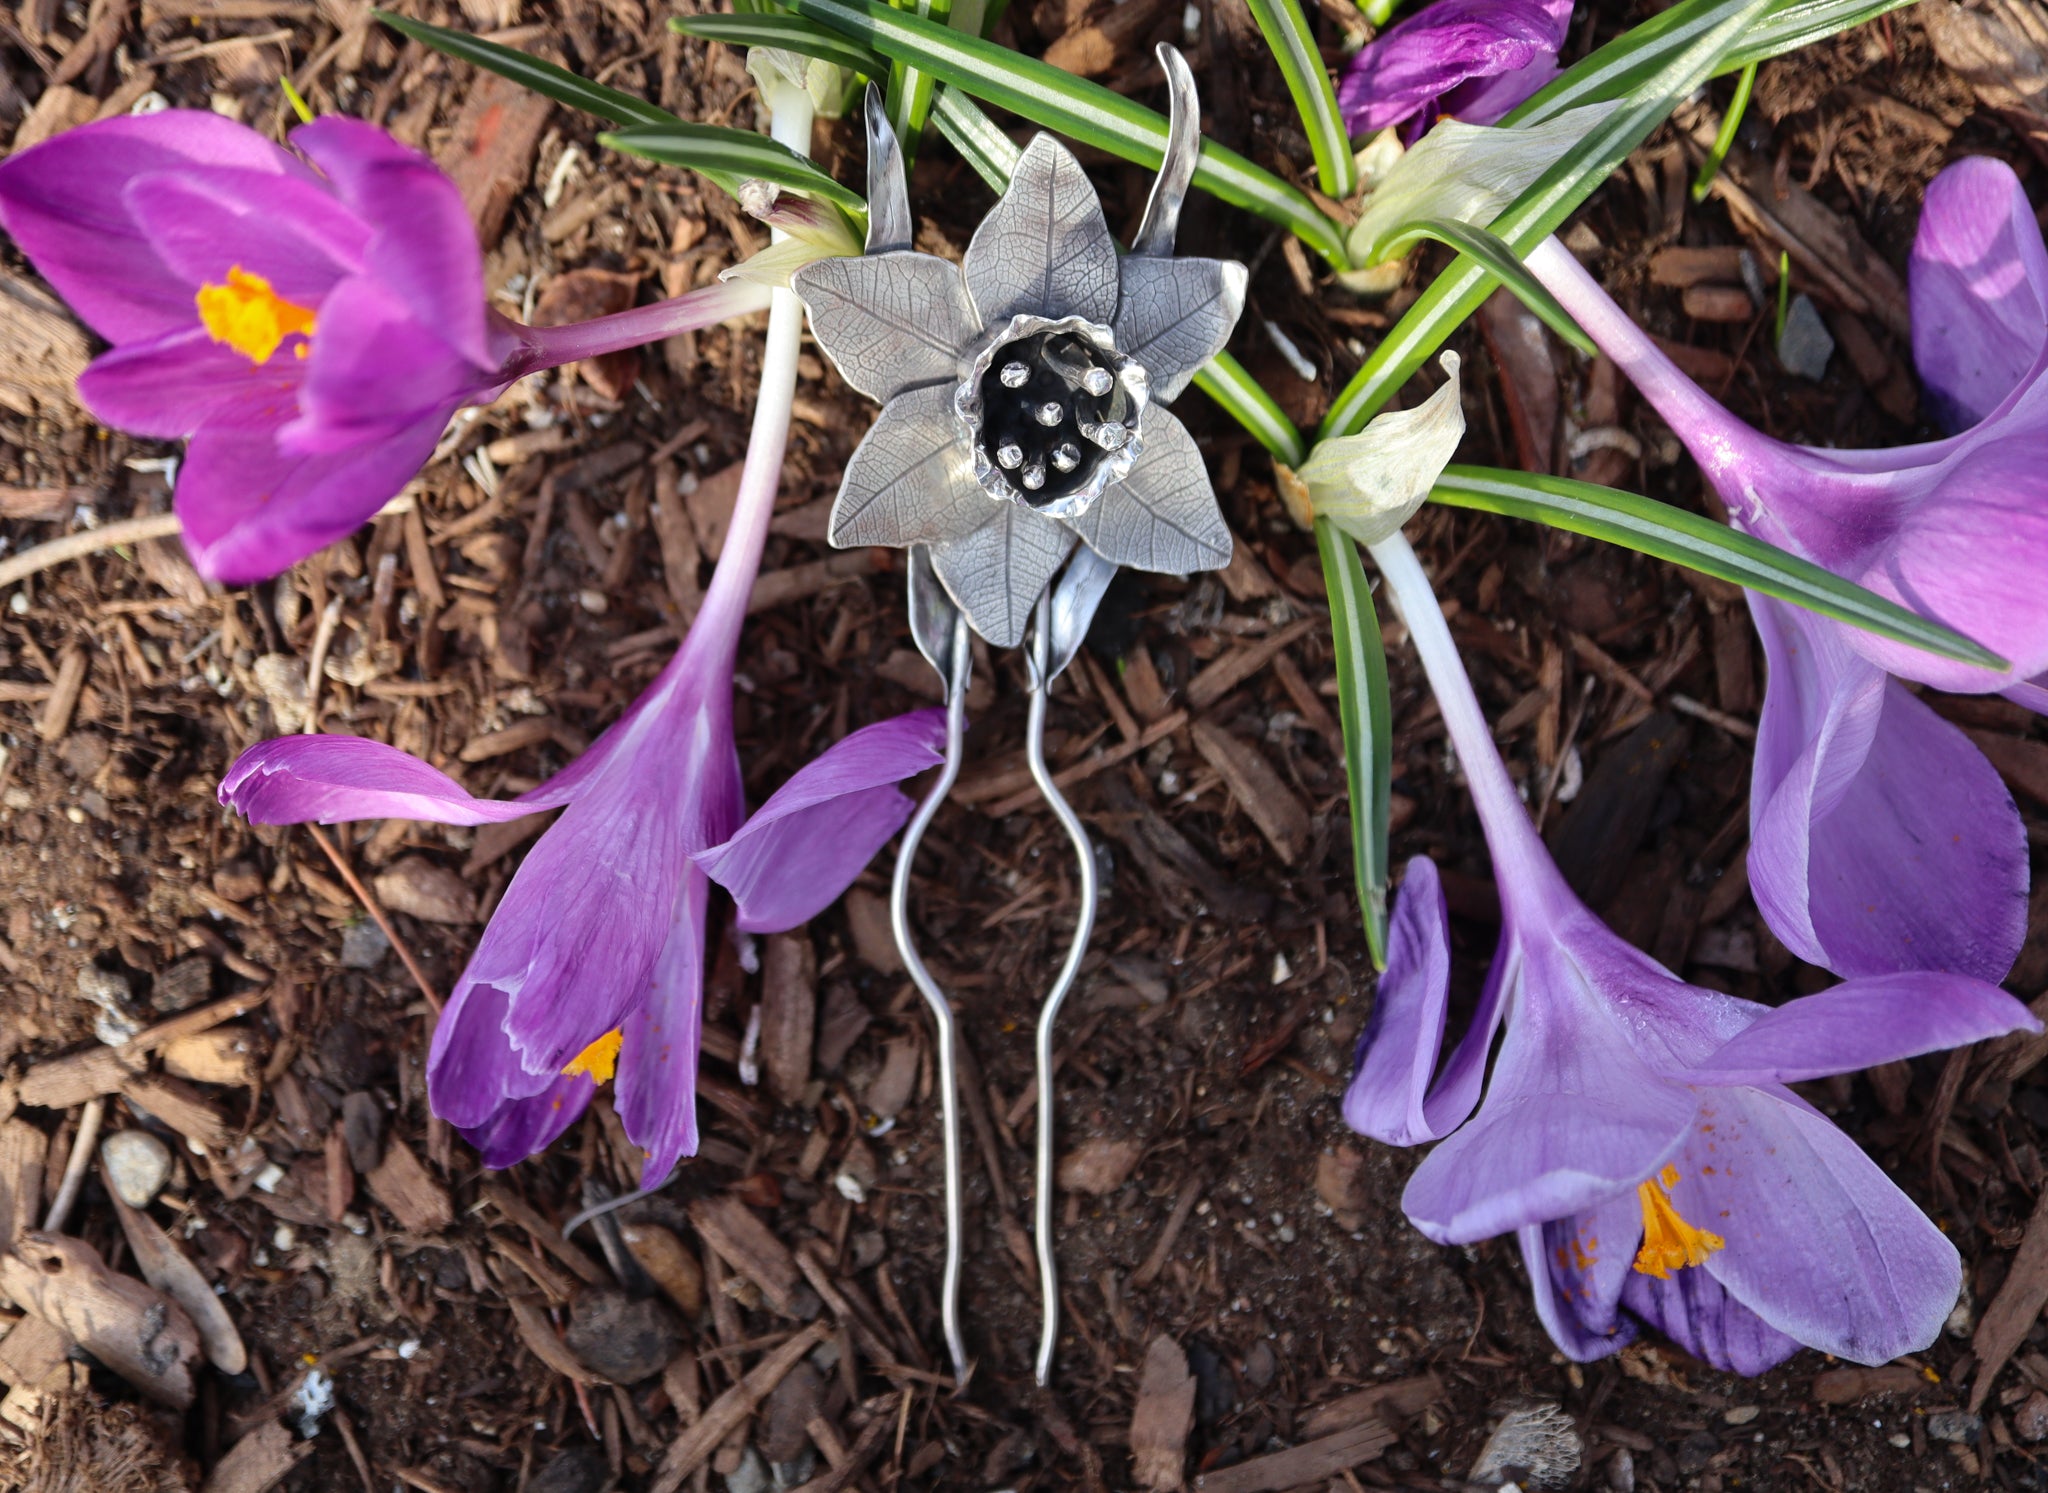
(941, 1008)
(1084, 924)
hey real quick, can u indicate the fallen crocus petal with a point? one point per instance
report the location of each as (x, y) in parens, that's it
(1880, 837)
(1390, 1097)
(1978, 282)
(1417, 61)
(803, 847)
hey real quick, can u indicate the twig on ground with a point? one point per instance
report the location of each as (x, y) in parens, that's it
(376, 911)
(87, 542)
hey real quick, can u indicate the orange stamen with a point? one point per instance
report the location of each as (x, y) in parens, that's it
(1669, 1242)
(600, 1059)
(249, 316)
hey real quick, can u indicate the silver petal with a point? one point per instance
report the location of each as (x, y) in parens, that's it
(1045, 250)
(889, 322)
(997, 572)
(890, 225)
(932, 615)
(1163, 516)
(1176, 314)
(1161, 223)
(1074, 601)
(911, 479)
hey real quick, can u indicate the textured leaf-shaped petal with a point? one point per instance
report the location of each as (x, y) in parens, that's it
(889, 322)
(1163, 516)
(1045, 250)
(997, 571)
(912, 478)
(1175, 315)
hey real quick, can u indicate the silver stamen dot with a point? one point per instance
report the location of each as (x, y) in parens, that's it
(1014, 374)
(1049, 414)
(1034, 476)
(1066, 456)
(1010, 457)
(1097, 381)
(1110, 436)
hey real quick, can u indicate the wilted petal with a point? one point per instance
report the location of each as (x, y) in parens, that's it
(1818, 1242)
(662, 1038)
(334, 779)
(1045, 249)
(62, 203)
(1175, 315)
(1390, 1097)
(889, 322)
(1572, 1117)
(1414, 62)
(1577, 1268)
(911, 479)
(1978, 277)
(1881, 839)
(1862, 1023)
(1371, 483)
(804, 846)
(1163, 516)
(994, 573)
(1696, 1312)
(423, 246)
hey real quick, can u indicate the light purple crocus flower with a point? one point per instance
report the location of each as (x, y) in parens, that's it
(1636, 1133)
(1881, 839)
(308, 319)
(595, 954)
(1473, 60)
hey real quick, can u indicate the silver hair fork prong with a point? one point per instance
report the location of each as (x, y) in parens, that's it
(940, 630)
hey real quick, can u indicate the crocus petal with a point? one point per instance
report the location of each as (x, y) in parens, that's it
(204, 223)
(171, 385)
(1390, 1098)
(1818, 1241)
(1696, 1312)
(1577, 1269)
(375, 369)
(525, 1127)
(1978, 279)
(251, 510)
(804, 846)
(1439, 47)
(473, 1070)
(62, 202)
(1573, 1115)
(1862, 1023)
(657, 1087)
(1881, 839)
(334, 779)
(424, 247)
(1485, 100)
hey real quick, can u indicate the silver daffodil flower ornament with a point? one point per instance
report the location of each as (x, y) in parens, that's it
(1023, 429)
(1022, 390)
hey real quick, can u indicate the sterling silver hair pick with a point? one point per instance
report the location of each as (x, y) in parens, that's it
(1022, 455)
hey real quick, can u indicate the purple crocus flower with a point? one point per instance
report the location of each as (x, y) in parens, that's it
(1471, 59)
(1880, 837)
(1636, 1134)
(308, 321)
(594, 957)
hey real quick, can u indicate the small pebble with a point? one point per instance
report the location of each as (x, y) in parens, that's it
(2030, 1421)
(139, 1165)
(1958, 1426)
(1807, 345)
(751, 1476)
(622, 1339)
(363, 945)
(1742, 1415)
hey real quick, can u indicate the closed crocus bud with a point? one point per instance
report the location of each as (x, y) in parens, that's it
(1475, 59)
(1370, 484)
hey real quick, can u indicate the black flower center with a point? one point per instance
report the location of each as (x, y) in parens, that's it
(1054, 409)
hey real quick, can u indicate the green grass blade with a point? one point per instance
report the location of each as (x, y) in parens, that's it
(557, 83)
(1495, 257)
(1224, 380)
(729, 157)
(1315, 97)
(1691, 37)
(1800, 23)
(1083, 111)
(791, 33)
(991, 153)
(1698, 543)
(1365, 711)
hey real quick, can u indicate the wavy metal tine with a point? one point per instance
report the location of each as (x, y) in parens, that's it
(1161, 222)
(890, 225)
(1038, 659)
(928, 607)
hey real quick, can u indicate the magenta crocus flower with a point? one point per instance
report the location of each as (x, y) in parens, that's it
(1471, 59)
(308, 319)
(594, 958)
(1880, 837)
(1636, 1133)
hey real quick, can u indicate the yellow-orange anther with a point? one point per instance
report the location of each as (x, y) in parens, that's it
(600, 1059)
(249, 316)
(1669, 1242)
